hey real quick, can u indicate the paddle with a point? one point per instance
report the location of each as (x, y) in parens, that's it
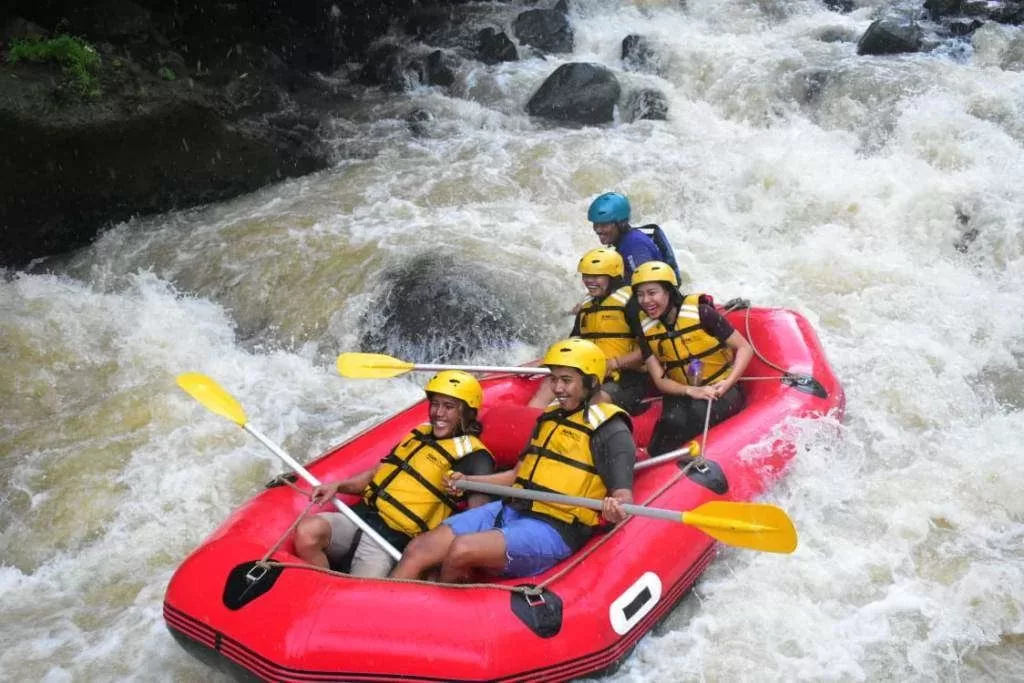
(213, 397)
(379, 366)
(692, 449)
(747, 525)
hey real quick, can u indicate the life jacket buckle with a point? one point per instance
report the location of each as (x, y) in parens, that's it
(256, 573)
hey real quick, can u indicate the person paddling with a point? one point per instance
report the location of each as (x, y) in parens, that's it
(693, 355)
(578, 448)
(605, 319)
(609, 213)
(404, 495)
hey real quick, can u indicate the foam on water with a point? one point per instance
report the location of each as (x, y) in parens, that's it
(845, 203)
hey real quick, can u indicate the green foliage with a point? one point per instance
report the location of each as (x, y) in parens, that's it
(166, 73)
(78, 59)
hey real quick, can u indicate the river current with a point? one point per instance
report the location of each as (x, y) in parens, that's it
(791, 171)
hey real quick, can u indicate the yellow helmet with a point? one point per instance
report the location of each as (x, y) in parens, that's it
(654, 271)
(457, 384)
(603, 261)
(581, 354)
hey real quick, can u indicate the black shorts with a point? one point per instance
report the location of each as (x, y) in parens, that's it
(628, 390)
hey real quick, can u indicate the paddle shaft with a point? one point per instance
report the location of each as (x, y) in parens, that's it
(664, 457)
(342, 508)
(593, 504)
(515, 369)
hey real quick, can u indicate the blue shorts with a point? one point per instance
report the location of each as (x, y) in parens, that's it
(531, 545)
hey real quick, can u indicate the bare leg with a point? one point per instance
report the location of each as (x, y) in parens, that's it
(484, 550)
(601, 396)
(424, 552)
(312, 537)
(544, 395)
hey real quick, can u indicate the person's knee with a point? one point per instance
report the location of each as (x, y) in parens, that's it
(429, 548)
(313, 533)
(460, 555)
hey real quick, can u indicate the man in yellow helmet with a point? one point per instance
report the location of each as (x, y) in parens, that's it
(693, 355)
(404, 495)
(606, 319)
(578, 448)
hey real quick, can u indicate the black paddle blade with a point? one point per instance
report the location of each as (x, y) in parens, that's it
(708, 474)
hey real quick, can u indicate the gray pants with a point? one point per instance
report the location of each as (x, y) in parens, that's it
(369, 561)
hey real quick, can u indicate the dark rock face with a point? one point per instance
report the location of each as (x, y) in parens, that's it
(393, 67)
(1004, 12)
(434, 309)
(495, 47)
(646, 104)
(547, 30)
(64, 175)
(579, 92)
(886, 37)
(441, 67)
(199, 100)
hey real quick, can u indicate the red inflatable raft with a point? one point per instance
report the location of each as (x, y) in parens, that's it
(295, 623)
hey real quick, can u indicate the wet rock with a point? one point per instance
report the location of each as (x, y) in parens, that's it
(436, 309)
(944, 8)
(392, 67)
(1007, 13)
(646, 104)
(963, 27)
(547, 30)
(495, 47)
(440, 68)
(424, 22)
(637, 54)
(193, 106)
(841, 6)
(147, 144)
(577, 92)
(888, 36)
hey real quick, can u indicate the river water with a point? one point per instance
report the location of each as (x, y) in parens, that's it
(846, 204)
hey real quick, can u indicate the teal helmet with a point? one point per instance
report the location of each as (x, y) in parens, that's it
(611, 207)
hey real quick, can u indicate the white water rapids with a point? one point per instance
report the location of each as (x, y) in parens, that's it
(911, 518)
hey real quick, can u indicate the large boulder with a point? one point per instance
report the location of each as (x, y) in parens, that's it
(578, 92)
(441, 67)
(888, 36)
(548, 30)
(494, 46)
(433, 308)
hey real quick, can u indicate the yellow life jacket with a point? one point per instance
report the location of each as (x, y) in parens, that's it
(686, 340)
(407, 489)
(604, 323)
(559, 460)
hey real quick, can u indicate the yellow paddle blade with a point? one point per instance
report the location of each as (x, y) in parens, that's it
(749, 525)
(371, 366)
(212, 396)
